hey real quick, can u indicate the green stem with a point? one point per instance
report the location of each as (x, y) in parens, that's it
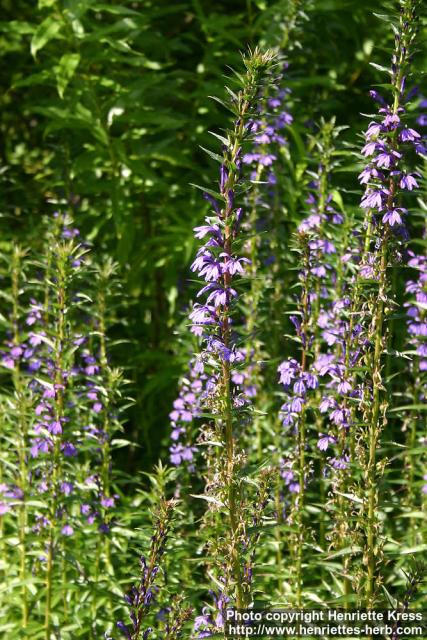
(374, 433)
(300, 508)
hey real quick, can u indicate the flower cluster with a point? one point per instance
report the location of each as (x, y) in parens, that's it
(269, 134)
(346, 344)
(194, 389)
(318, 309)
(62, 378)
(388, 141)
(217, 266)
(296, 383)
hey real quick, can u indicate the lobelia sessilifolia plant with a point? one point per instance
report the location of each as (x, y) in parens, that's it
(14, 462)
(104, 392)
(216, 323)
(315, 245)
(390, 146)
(198, 384)
(321, 328)
(354, 331)
(101, 403)
(60, 464)
(268, 226)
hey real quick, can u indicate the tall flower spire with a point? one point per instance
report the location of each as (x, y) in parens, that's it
(215, 321)
(389, 144)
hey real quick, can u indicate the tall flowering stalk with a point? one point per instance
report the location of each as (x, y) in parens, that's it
(300, 378)
(64, 263)
(264, 203)
(17, 491)
(388, 142)
(103, 392)
(141, 596)
(215, 321)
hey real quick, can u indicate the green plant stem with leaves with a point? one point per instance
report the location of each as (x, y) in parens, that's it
(16, 266)
(59, 308)
(236, 138)
(299, 503)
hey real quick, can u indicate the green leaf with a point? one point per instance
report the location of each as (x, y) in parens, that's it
(208, 499)
(352, 550)
(212, 193)
(350, 496)
(65, 71)
(46, 31)
(380, 67)
(115, 10)
(222, 103)
(16, 26)
(417, 549)
(120, 442)
(225, 141)
(213, 155)
(382, 16)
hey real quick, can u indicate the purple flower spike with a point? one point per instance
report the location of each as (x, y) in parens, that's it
(123, 628)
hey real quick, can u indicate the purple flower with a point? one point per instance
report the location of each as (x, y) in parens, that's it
(386, 159)
(123, 628)
(180, 453)
(288, 371)
(107, 502)
(408, 135)
(325, 441)
(408, 182)
(66, 488)
(373, 199)
(344, 387)
(393, 217)
(67, 530)
(69, 449)
(55, 427)
(340, 463)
